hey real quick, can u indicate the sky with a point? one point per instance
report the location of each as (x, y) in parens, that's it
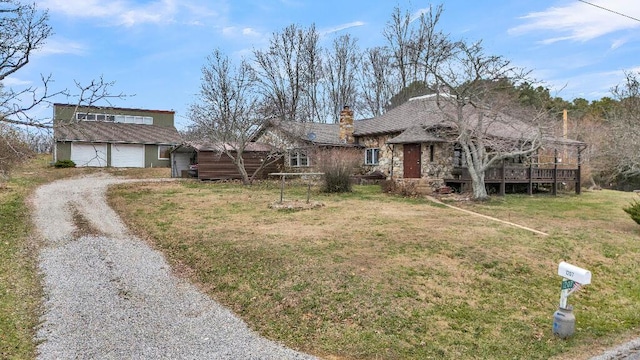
(154, 49)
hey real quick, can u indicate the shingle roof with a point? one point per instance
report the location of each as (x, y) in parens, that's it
(319, 133)
(99, 131)
(249, 147)
(418, 111)
(415, 134)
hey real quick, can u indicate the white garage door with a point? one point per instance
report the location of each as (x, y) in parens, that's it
(127, 155)
(89, 154)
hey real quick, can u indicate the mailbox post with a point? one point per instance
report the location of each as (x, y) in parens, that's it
(572, 278)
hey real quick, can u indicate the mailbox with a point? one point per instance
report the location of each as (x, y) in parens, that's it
(572, 272)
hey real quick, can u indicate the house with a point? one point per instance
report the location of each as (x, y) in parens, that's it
(411, 143)
(214, 164)
(113, 137)
(301, 140)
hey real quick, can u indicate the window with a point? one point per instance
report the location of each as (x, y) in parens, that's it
(298, 158)
(431, 154)
(164, 152)
(458, 157)
(371, 156)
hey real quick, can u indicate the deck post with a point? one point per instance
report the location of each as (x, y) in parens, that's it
(503, 181)
(555, 173)
(282, 189)
(530, 188)
(579, 174)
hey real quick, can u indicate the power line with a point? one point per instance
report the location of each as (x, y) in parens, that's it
(609, 10)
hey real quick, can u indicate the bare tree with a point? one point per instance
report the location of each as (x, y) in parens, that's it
(227, 114)
(486, 120)
(414, 41)
(621, 148)
(341, 73)
(23, 30)
(376, 80)
(288, 73)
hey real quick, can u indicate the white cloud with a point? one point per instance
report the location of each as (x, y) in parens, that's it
(126, 12)
(578, 21)
(250, 32)
(341, 27)
(62, 46)
(14, 81)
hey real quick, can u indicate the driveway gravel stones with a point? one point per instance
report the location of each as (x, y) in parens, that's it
(108, 295)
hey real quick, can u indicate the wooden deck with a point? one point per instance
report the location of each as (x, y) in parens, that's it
(507, 175)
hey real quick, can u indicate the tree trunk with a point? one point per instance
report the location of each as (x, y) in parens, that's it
(477, 184)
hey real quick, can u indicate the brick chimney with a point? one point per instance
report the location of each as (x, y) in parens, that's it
(346, 125)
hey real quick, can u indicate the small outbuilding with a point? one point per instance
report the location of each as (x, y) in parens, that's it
(210, 162)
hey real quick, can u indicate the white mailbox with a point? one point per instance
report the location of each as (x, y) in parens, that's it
(572, 272)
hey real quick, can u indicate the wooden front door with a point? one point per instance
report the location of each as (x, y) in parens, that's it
(411, 161)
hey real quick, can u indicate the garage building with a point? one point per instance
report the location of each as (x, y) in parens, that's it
(114, 137)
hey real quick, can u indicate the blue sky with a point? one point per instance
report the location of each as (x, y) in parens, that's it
(154, 49)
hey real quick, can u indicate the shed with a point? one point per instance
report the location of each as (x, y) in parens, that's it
(214, 164)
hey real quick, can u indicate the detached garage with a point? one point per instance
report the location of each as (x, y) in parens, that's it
(114, 137)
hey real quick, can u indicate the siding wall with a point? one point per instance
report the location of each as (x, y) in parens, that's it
(216, 166)
(160, 117)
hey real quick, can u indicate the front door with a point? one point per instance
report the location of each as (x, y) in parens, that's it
(411, 161)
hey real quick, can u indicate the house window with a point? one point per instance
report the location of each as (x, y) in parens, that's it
(371, 156)
(458, 157)
(164, 152)
(298, 158)
(431, 153)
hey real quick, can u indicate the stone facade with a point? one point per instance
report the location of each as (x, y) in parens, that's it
(346, 126)
(391, 158)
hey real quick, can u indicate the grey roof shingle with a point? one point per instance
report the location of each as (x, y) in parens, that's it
(319, 133)
(413, 121)
(99, 131)
(415, 134)
(418, 111)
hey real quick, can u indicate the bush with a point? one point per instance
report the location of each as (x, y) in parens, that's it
(634, 211)
(338, 165)
(404, 189)
(64, 164)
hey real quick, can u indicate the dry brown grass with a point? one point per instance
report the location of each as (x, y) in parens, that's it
(377, 277)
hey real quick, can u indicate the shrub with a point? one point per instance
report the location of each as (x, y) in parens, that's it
(13, 149)
(338, 165)
(404, 189)
(634, 211)
(64, 164)
(388, 186)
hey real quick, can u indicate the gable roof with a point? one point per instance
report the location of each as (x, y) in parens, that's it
(101, 131)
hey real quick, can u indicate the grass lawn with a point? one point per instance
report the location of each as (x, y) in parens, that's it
(373, 276)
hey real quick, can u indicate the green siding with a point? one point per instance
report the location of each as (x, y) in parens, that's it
(63, 151)
(151, 157)
(160, 117)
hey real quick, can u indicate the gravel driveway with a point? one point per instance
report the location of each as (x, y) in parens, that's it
(110, 296)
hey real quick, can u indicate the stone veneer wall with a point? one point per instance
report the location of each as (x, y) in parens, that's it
(433, 173)
(384, 159)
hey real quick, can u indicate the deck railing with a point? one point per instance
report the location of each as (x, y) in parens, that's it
(521, 175)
